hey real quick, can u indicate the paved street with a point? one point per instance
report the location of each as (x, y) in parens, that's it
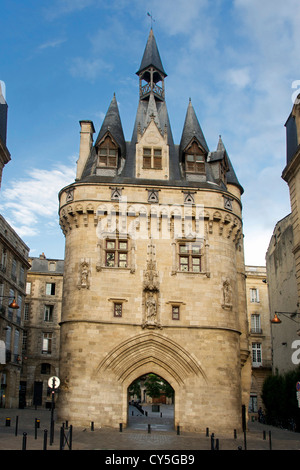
(136, 435)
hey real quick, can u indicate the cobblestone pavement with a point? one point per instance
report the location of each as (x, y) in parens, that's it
(136, 436)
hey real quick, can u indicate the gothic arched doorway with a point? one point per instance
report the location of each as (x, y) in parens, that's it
(151, 401)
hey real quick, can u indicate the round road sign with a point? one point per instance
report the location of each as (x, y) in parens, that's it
(53, 382)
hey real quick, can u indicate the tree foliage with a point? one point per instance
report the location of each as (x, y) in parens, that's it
(155, 386)
(280, 400)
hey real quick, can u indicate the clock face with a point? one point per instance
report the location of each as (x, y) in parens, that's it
(228, 203)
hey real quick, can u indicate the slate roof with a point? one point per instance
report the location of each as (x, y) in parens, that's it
(158, 110)
(112, 123)
(192, 129)
(151, 56)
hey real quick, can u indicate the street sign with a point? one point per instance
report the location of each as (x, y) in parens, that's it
(53, 382)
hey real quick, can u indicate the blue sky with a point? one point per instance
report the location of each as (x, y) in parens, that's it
(62, 60)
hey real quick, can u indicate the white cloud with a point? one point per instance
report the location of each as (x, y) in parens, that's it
(51, 44)
(239, 77)
(89, 69)
(63, 7)
(32, 203)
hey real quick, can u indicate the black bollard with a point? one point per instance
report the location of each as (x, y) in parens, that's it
(234, 434)
(270, 440)
(178, 430)
(92, 426)
(62, 438)
(16, 428)
(24, 441)
(217, 444)
(45, 439)
(207, 432)
(7, 422)
(121, 427)
(264, 435)
(149, 428)
(212, 442)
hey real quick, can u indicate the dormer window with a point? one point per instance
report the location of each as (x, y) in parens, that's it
(194, 159)
(152, 158)
(107, 154)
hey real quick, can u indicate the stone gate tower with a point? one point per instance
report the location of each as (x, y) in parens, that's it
(154, 268)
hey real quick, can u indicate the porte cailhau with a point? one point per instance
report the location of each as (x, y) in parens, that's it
(154, 277)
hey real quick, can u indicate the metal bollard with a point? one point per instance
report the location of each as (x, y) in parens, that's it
(212, 442)
(7, 422)
(207, 432)
(264, 435)
(45, 439)
(24, 441)
(234, 434)
(149, 428)
(16, 428)
(92, 426)
(270, 440)
(178, 430)
(121, 427)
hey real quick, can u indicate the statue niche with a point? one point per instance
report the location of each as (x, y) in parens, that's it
(151, 291)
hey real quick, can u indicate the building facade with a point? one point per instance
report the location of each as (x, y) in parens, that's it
(154, 278)
(41, 339)
(260, 333)
(13, 268)
(283, 296)
(4, 153)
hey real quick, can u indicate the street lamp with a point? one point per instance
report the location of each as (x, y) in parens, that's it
(276, 320)
(13, 304)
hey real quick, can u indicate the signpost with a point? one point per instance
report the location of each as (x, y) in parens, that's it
(53, 383)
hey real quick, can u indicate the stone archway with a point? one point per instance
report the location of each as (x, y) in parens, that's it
(150, 352)
(151, 402)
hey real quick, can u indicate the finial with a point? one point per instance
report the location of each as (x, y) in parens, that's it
(152, 19)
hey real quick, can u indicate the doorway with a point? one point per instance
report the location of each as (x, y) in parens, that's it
(151, 401)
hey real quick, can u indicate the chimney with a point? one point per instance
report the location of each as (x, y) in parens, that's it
(86, 142)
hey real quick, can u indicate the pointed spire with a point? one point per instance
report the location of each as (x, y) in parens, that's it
(152, 112)
(230, 175)
(221, 146)
(151, 56)
(112, 123)
(192, 129)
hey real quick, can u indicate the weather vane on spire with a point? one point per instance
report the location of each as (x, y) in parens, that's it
(152, 19)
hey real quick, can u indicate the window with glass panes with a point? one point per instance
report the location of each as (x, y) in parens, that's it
(47, 343)
(107, 154)
(117, 309)
(116, 253)
(255, 323)
(175, 312)
(194, 159)
(256, 354)
(190, 257)
(152, 158)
